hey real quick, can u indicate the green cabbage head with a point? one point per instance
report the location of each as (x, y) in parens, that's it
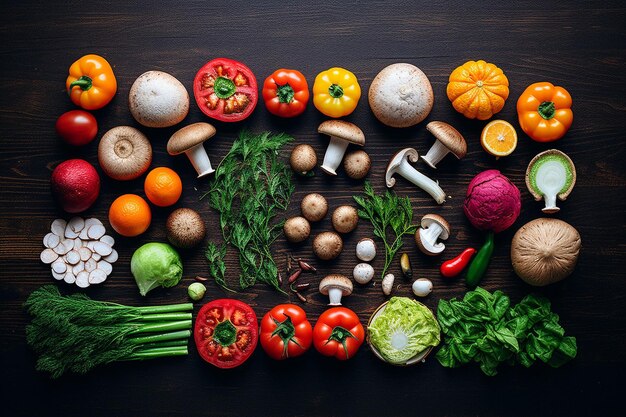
(156, 265)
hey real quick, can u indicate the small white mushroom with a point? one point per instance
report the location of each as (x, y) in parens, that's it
(434, 227)
(190, 140)
(335, 286)
(314, 207)
(341, 134)
(363, 273)
(366, 249)
(448, 140)
(387, 283)
(422, 287)
(399, 164)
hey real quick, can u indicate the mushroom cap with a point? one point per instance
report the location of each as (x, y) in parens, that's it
(544, 251)
(185, 228)
(363, 273)
(449, 137)
(189, 136)
(407, 153)
(345, 219)
(124, 153)
(314, 207)
(297, 229)
(556, 153)
(158, 99)
(343, 130)
(357, 164)
(401, 95)
(327, 245)
(303, 159)
(366, 249)
(336, 281)
(429, 219)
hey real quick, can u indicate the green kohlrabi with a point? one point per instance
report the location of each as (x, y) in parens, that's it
(156, 265)
(403, 329)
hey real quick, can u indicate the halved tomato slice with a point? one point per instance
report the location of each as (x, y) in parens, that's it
(225, 90)
(226, 332)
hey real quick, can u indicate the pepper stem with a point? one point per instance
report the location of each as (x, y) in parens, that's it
(341, 335)
(546, 110)
(335, 90)
(284, 93)
(286, 331)
(84, 82)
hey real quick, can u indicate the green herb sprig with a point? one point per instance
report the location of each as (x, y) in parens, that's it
(391, 217)
(252, 185)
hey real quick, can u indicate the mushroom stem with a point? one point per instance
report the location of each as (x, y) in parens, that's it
(435, 154)
(422, 181)
(550, 200)
(200, 160)
(334, 295)
(334, 154)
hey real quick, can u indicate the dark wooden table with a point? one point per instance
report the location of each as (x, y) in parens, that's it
(579, 45)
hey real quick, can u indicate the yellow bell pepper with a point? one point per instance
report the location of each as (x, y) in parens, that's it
(336, 92)
(91, 83)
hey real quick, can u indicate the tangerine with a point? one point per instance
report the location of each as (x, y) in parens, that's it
(499, 138)
(163, 186)
(130, 215)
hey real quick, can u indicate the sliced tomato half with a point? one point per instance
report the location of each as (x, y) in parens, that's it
(226, 332)
(225, 90)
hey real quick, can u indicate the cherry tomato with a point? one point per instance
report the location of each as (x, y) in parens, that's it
(225, 90)
(285, 332)
(339, 333)
(226, 332)
(77, 127)
(286, 93)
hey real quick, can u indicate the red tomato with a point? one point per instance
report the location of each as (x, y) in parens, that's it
(339, 333)
(285, 332)
(77, 127)
(226, 332)
(225, 90)
(286, 93)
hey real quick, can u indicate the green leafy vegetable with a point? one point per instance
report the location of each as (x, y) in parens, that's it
(484, 328)
(252, 185)
(404, 329)
(391, 217)
(156, 265)
(75, 333)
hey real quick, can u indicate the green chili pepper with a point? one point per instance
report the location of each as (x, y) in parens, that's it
(480, 263)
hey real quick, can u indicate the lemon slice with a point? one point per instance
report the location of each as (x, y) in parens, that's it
(499, 138)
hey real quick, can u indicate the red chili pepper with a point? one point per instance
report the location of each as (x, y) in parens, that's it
(294, 276)
(454, 266)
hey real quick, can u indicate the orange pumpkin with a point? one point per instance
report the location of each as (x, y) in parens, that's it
(478, 89)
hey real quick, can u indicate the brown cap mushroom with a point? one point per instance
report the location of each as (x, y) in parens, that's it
(433, 227)
(401, 95)
(327, 245)
(303, 159)
(345, 219)
(544, 251)
(157, 99)
(341, 134)
(297, 229)
(399, 164)
(185, 228)
(190, 140)
(314, 207)
(357, 164)
(124, 153)
(336, 286)
(448, 140)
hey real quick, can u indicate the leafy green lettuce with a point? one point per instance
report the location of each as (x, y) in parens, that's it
(484, 328)
(404, 329)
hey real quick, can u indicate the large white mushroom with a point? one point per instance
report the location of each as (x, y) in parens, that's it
(158, 99)
(124, 153)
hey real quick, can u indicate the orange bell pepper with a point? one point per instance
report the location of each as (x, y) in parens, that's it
(544, 111)
(91, 83)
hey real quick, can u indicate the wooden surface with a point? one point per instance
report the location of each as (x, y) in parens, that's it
(579, 45)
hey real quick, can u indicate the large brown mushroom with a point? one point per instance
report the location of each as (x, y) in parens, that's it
(124, 153)
(335, 286)
(190, 140)
(544, 251)
(448, 140)
(185, 228)
(341, 134)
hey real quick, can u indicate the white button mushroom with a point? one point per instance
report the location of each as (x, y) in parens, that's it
(190, 140)
(158, 99)
(314, 207)
(448, 140)
(124, 153)
(345, 219)
(363, 273)
(327, 245)
(399, 164)
(335, 286)
(422, 287)
(366, 249)
(433, 227)
(341, 134)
